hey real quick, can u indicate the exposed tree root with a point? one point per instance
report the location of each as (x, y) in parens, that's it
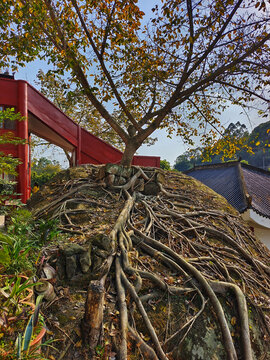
(242, 311)
(184, 249)
(228, 342)
(123, 311)
(145, 317)
(147, 351)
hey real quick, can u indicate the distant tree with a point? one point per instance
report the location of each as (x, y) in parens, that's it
(260, 136)
(233, 143)
(43, 170)
(252, 148)
(165, 165)
(236, 130)
(179, 72)
(188, 159)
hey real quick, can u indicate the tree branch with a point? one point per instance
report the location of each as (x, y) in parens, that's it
(242, 89)
(82, 78)
(106, 72)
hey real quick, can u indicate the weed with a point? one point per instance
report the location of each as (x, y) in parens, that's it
(14, 253)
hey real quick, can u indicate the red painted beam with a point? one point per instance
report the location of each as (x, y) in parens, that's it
(98, 149)
(152, 161)
(51, 116)
(24, 167)
(8, 92)
(88, 148)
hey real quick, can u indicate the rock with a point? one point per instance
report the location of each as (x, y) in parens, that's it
(97, 264)
(139, 185)
(102, 241)
(71, 266)
(61, 266)
(160, 177)
(151, 188)
(72, 249)
(119, 170)
(103, 254)
(121, 180)
(101, 173)
(85, 262)
(112, 169)
(110, 179)
(126, 172)
(73, 259)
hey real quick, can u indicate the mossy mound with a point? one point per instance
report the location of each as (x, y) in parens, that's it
(169, 257)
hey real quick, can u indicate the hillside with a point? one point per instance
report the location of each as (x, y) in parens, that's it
(153, 265)
(258, 140)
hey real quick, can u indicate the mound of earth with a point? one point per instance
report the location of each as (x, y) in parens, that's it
(150, 265)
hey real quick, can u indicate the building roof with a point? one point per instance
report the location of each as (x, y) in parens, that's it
(244, 186)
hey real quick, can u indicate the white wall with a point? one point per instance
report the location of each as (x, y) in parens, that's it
(263, 234)
(260, 224)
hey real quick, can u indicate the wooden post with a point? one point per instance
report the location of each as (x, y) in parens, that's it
(93, 316)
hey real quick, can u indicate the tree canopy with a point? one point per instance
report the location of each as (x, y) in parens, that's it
(71, 99)
(42, 170)
(177, 72)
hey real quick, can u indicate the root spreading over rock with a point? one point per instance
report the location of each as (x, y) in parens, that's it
(153, 265)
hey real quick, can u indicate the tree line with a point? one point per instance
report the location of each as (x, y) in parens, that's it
(253, 148)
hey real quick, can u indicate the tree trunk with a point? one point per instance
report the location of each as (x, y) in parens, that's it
(129, 153)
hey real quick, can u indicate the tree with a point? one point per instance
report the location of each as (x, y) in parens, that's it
(73, 102)
(188, 159)
(253, 148)
(232, 143)
(178, 72)
(43, 170)
(165, 165)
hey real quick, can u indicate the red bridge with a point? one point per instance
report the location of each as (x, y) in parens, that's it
(45, 120)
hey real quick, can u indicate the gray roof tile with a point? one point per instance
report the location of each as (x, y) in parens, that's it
(233, 180)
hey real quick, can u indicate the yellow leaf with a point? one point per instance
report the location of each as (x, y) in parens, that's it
(233, 320)
(267, 131)
(78, 344)
(257, 143)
